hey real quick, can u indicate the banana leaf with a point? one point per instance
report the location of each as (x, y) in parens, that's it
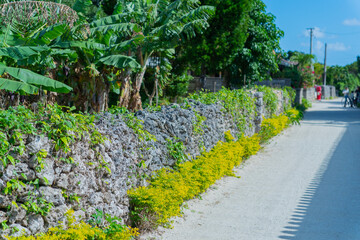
(81, 44)
(47, 35)
(120, 61)
(21, 53)
(15, 86)
(31, 78)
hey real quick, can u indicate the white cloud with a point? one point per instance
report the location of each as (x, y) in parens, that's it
(317, 32)
(352, 22)
(338, 46)
(318, 46)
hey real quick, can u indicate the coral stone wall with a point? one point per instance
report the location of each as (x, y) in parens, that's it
(86, 186)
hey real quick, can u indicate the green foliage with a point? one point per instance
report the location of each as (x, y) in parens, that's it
(13, 185)
(40, 160)
(4, 225)
(216, 48)
(258, 58)
(110, 225)
(198, 124)
(341, 77)
(294, 115)
(30, 82)
(37, 205)
(149, 29)
(305, 104)
(290, 94)
(63, 128)
(228, 136)
(71, 197)
(176, 150)
(270, 98)
(178, 86)
(238, 103)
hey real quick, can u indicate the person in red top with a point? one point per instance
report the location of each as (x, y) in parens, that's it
(318, 91)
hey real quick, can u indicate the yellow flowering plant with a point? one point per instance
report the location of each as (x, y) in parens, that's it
(155, 204)
(82, 231)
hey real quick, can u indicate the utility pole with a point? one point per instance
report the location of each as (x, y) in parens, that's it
(325, 64)
(311, 49)
(311, 39)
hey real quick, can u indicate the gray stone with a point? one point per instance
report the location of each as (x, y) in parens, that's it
(23, 169)
(56, 215)
(2, 184)
(37, 143)
(62, 181)
(47, 174)
(18, 230)
(35, 223)
(79, 215)
(4, 201)
(52, 195)
(16, 214)
(95, 198)
(3, 216)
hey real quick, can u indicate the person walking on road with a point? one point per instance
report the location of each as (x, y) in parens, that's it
(346, 95)
(357, 96)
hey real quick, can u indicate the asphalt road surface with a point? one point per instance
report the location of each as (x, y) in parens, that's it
(304, 185)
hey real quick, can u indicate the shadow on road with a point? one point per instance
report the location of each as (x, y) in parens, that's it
(330, 207)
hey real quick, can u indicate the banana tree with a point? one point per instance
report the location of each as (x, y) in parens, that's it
(154, 26)
(26, 29)
(20, 61)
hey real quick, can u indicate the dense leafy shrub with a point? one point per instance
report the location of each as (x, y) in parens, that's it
(238, 103)
(270, 99)
(60, 124)
(305, 104)
(294, 115)
(291, 92)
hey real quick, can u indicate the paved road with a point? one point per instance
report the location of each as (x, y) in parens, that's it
(305, 185)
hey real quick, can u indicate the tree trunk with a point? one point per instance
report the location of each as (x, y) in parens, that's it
(157, 92)
(124, 98)
(227, 80)
(135, 98)
(148, 94)
(101, 95)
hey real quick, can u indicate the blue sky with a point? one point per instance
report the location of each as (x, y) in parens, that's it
(336, 22)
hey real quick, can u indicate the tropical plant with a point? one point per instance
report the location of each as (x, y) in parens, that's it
(21, 52)
(214, 50)
(148, 27)
(341, 77)
(28, 81)
(258, 57)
